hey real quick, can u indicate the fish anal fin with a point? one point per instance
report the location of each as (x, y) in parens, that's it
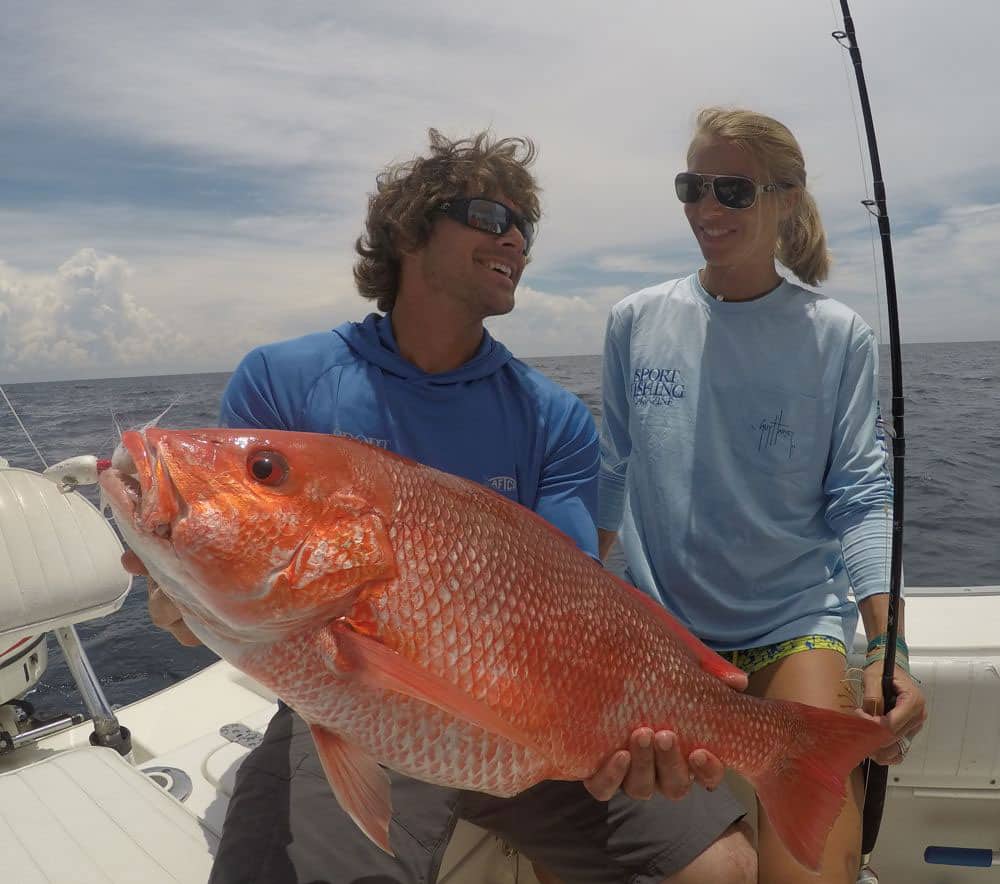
(366, 658)
(360, 785)
(706, 658)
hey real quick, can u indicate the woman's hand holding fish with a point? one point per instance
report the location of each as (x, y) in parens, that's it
(162, 611)
(906, 717)
(653, 763)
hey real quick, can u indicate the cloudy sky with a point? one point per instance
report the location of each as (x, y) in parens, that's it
(179, 184)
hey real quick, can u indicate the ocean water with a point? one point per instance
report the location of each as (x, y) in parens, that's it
(952, 510)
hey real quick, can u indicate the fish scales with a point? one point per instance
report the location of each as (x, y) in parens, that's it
(426, 623)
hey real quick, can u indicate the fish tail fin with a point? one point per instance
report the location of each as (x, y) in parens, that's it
(804, 788)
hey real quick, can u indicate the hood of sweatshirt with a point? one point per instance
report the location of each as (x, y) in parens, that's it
(373, 341)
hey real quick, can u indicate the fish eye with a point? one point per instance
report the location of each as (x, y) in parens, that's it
(267, 467)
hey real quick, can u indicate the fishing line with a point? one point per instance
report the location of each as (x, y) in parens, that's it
(45, 463)
(854, 678)
(116, 419)
(878, 774)
(118, 426)
(850, 98)
(17, 417)
(156, 420)
(876, 291)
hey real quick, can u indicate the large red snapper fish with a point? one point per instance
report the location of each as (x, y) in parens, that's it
(423, 622)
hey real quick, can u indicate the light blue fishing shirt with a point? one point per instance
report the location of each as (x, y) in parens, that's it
(744, 461)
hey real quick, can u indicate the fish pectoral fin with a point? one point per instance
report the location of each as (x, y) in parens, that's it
(377, 666)
(360, 785)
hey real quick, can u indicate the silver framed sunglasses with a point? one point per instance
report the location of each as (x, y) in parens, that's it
(731, 191)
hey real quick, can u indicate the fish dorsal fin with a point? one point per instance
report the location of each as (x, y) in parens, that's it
(361, 654)
(360, 785)
(706, 658)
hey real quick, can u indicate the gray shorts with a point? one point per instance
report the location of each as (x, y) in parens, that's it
(284, 826)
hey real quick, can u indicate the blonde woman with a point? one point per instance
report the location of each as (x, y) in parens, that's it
(743, 462)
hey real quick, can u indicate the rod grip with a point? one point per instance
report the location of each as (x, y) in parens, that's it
(876, 776)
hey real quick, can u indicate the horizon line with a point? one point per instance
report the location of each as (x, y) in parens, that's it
(172, 374)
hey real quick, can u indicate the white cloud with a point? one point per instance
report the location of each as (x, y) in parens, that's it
(80, 319)
(634, 263)
(948, 270)
(306, 102)
(944, 269)
(546, 324)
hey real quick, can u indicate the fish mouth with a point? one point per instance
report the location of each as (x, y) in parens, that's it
(150, 510)
(139, 489)
(147, 506)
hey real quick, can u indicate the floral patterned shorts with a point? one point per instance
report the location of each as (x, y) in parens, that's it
(752, 660)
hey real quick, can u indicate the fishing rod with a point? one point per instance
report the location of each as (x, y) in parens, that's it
(876, 775)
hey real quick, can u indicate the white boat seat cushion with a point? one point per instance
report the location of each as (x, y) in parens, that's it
(87, 816)
(59, 558)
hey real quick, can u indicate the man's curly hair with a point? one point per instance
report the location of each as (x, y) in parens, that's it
(401, 212)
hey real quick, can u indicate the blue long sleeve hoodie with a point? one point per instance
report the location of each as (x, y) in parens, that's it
(494, 420)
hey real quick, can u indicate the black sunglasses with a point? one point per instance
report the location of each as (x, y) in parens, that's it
(488, 215)
(731, 191)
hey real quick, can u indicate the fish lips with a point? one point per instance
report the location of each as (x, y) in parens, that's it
(146, 506)
(139, 489)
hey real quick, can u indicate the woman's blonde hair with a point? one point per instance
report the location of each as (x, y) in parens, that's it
(801, 240)
(408, 196)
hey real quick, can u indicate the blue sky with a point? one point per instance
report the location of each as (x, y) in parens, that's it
(179, 184)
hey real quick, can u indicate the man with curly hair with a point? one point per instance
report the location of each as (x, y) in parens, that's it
(447, 237)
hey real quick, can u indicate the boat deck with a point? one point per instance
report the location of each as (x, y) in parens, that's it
(69, 811)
